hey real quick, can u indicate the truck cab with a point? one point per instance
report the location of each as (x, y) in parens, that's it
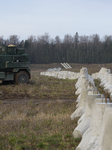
(14, 64)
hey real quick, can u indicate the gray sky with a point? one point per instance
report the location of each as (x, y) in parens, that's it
(56, 17)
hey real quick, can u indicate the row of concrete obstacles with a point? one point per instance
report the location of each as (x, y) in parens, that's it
(94, 110)
(105, 77)
(60, 74)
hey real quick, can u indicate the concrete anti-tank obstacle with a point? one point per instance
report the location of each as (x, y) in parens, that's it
(86, 114)
(81, 105)
(108, 85)
(108, 88)
(105, 138)
(95, 75)
(95, 123)
(91, 137)
(82, 127)
(84, 78)
(101, 72)
(86, 120)
(63, 64)
(68, 65)
(60, 74)
(84, 83)
(104, 79)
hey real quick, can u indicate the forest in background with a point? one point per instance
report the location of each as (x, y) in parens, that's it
(72, 49)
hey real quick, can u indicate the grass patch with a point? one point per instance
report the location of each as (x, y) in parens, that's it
(40, 87)
(100, 88)
(43, 126)
(46, 125)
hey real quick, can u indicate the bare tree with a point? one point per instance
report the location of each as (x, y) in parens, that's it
(14, 39)
(1, 40)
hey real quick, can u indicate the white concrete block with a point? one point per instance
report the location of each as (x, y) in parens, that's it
(81, 105)
(85, 121)
(90, 139)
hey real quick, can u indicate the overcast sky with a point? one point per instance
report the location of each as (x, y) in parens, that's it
(56, 17)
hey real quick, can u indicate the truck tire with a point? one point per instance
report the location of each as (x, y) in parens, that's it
(21, 77)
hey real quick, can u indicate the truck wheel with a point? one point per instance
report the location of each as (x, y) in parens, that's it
(21, 77)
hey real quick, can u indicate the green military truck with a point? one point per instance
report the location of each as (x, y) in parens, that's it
(14, 65)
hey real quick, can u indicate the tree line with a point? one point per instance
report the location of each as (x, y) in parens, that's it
(71, 49)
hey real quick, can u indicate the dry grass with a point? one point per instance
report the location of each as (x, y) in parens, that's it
(40, 87)
(101, 89)
(29, 125)
(42, 126)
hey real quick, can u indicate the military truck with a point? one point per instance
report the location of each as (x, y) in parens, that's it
(14, 65)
